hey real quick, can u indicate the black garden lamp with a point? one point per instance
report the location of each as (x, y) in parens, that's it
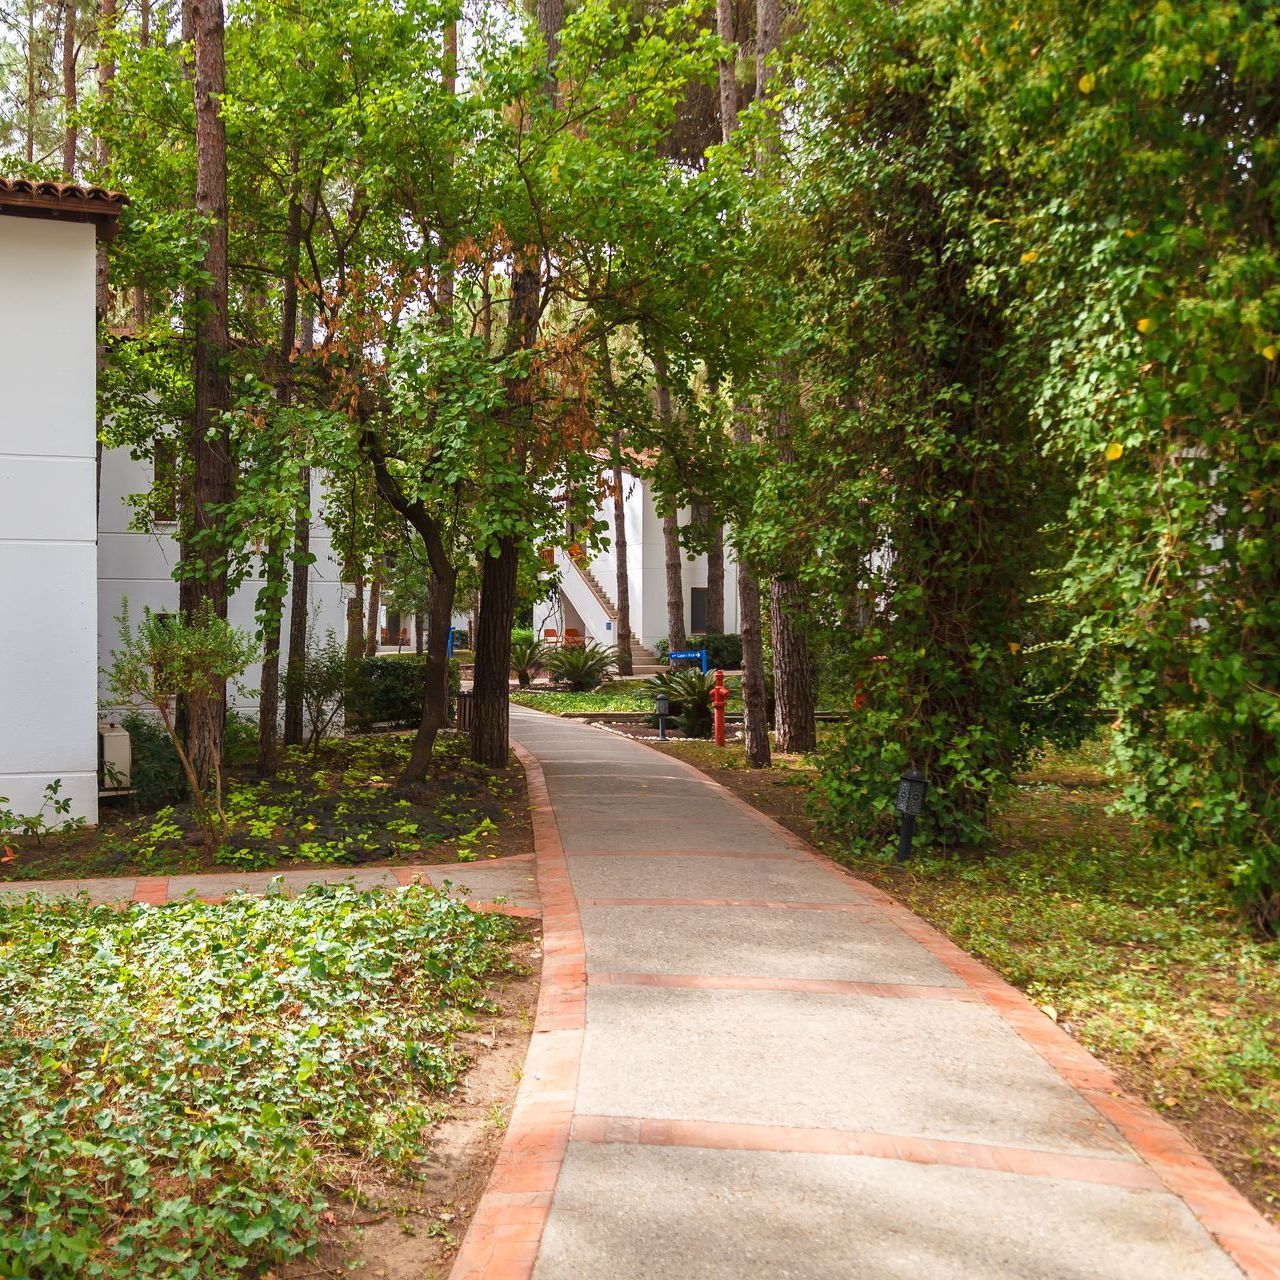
(911, 789)
(662, 706)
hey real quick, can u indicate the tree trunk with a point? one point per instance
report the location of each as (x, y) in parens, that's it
(490, 724)
(622, 587)
(205, 576)
(713, 536)
(728, 77)
(277, 569)
(419, 626)
(299, 602)
(69, 52)
(795, 728)
(435, 703)
(107, 68)
(375, 604)
(672, 552)
(793, 716)
(355, 621)
(766, 42)
(755, 697)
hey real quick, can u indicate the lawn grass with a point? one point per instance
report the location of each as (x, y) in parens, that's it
(185, 1090)
(1146, 965)
(616, 695)
(332, 807)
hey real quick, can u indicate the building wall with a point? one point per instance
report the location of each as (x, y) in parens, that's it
(646, 573)
(48, 650)
(138, 565)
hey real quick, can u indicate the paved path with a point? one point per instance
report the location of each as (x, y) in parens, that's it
(749, 1064)
(506, 884)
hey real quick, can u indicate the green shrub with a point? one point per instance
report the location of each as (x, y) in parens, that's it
(689, 693)
(240, 737)
(389, 690)
(662, 650)
(321, 679)
(156, 772)
(528, 657)
(581, 666)
(724, 651)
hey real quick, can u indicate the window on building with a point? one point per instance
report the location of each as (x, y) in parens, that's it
(164, 480)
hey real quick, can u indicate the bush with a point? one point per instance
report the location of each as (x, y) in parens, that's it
(240, 737)
(390, 690)
(323, 678)
(689, 693)
(528, 657)
(155, 772)
(662, 650)
(581, 666)
(724, 651)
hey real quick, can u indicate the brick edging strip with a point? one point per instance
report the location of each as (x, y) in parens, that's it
(506, 1230)
(1246, 1236)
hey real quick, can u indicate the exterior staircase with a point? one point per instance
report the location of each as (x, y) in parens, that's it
(644, 662)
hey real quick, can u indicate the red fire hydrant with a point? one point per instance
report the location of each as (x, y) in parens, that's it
(719, 696)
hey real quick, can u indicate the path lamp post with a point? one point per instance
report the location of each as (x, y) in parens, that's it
(911, 789)
(662, 705)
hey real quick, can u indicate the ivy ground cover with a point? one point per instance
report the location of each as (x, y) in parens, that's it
(184, 1090)
(334, 806)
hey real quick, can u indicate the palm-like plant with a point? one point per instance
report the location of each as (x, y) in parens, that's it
(689, 695)
(581, 666)
(528, 657)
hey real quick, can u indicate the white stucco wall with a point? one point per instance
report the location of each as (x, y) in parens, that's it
(138, 566)
(646, 572)
(48, 651)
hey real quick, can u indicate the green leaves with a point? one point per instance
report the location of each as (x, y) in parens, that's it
(183, 1112)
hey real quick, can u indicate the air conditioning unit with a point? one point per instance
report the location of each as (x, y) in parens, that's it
(115, 757)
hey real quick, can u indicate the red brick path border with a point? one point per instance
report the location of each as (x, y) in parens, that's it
(1251, 1241)
(506, 1230)
(154, 890)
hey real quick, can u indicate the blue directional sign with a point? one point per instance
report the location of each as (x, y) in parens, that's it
(700, 654)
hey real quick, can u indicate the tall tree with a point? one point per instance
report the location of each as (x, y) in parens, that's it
(622, 571)
(795, 726)
(70, 60)
(213, 469)
(299, 599)
(276, 565)
(755, 705)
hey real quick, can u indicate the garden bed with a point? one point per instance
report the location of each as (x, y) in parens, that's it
(1147, 966)
(271, 1082)
(334, 807)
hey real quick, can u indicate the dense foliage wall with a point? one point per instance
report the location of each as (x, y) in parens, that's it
(1039, 260)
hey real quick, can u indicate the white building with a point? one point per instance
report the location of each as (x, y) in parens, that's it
(587, 604)
(66, 575)
(48, 539)
(137, 565)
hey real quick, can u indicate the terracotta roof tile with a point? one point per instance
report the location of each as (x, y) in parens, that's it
(28, 195)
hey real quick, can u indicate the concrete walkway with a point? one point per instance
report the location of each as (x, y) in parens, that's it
(748, 1064)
